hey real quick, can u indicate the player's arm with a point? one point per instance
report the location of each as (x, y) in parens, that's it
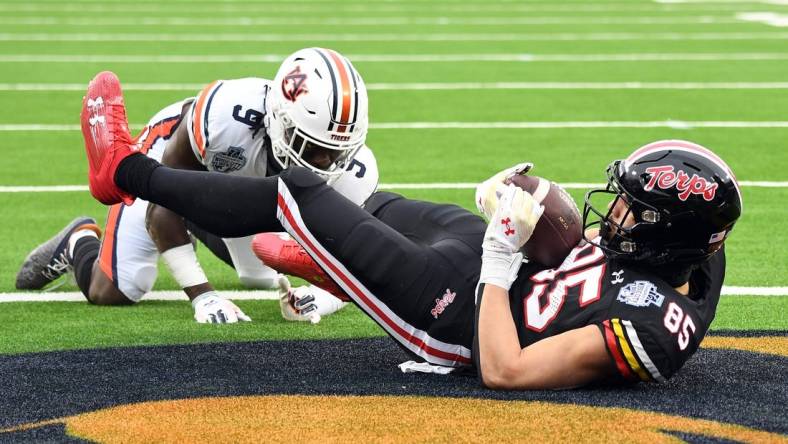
(570, 359)
(168, 232)
(166, 228)
(573, 358)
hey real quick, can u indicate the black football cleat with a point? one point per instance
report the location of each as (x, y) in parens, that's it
(50, 260)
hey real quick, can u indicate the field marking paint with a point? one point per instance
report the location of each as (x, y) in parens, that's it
(345, 22)
(767, 18)
(674, 124)
(388, 6)
(383, 186)
(390, 37)
(744, 2)
(399, 58)
(268, 295)
(75, 296)
(432, 86)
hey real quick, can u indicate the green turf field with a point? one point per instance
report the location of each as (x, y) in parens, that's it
(721, 80)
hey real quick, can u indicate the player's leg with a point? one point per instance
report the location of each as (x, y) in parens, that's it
(126, 267)
(394, 280)
(54, 258)
(427, 222)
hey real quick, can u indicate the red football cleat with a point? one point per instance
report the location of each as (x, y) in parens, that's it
(283, 254)
(107, 139)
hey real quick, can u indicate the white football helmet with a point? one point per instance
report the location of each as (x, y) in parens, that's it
(317, 100)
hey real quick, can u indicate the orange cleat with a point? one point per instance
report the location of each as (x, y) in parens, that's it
(107, 139)
(283, 254)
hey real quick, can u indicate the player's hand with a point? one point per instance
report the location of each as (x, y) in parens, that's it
(514, 220)
(210, 308)
(509, 229)
(306, 303)
(489, 192)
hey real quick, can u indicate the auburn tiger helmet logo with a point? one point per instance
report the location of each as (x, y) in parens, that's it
(293, 85)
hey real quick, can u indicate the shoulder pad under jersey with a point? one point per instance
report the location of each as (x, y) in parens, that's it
(225, 126)
(360, 179)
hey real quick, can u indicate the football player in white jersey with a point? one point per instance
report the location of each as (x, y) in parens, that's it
(313, 114)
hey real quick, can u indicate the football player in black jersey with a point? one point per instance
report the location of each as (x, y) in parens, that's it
(635, 299)
(632, 303)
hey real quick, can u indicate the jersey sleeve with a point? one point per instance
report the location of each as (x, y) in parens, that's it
(636, 351)
(226, 127)
(197, 119)
(360, 179)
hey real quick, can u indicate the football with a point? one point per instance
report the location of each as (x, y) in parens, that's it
(559, 229)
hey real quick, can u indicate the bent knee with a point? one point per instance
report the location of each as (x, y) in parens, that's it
(103, 291)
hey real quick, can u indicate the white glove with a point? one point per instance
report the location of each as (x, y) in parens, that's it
(489, 191)
(510, 227)
(306, 303)
(210, 308)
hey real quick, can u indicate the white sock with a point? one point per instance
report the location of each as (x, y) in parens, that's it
(77, 235)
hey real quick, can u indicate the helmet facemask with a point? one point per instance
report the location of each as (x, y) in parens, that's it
(617, 240)
(290, 144)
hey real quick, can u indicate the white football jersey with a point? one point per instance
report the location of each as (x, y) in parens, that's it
(225, 126)
(227, 134)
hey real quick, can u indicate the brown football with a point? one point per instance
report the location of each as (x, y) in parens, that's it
(560, 227)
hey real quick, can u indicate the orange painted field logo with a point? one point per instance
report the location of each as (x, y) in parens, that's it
(386, 419)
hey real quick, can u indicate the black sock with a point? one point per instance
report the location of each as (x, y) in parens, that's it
(227, 206)
(86, 251)
(134, 173)
(212, 241)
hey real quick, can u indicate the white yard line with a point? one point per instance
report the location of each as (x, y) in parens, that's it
(674, 124)
(743, 2)
(399, 58)
(391, 37)
(767, 18)
(388, 6)
(75, 296)
(351, 21)
(382, 186)
(267, 295)
(431, 86)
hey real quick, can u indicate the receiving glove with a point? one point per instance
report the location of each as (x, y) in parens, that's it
(510, 227)
(210, 308)
(489, 191)
(306, 303)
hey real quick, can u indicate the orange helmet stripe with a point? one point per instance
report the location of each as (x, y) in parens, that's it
(344, 76)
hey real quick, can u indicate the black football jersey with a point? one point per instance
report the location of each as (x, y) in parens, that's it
(649, 328)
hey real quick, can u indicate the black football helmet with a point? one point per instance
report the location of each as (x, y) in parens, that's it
(684, 200)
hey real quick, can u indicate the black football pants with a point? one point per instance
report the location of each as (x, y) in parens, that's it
(411, 266)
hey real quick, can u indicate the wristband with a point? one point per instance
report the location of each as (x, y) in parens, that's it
(183, 265)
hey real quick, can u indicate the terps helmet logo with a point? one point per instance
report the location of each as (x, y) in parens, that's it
(663, 177)
(293, 84)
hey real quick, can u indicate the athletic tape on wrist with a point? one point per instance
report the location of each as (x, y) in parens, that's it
(183, 265)
(500, 269)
